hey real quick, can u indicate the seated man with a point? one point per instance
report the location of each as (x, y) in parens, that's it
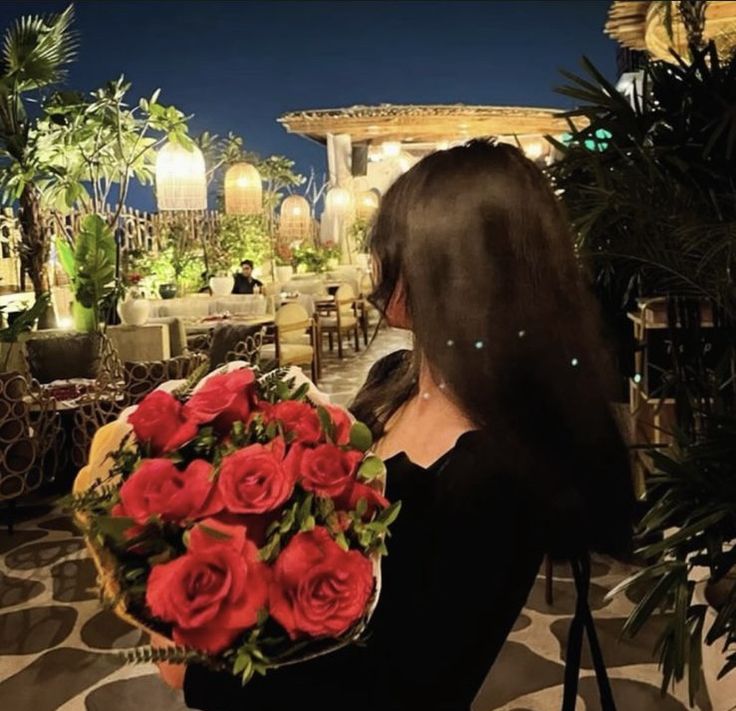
(245, 282)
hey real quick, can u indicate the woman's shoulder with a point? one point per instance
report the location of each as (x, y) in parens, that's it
(485, 469)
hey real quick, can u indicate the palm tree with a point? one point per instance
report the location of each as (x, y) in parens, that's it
(35, 52)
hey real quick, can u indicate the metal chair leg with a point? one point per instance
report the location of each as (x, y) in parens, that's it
(548, 580)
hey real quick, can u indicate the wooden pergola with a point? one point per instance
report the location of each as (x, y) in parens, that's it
(639, 25)
(428, 124)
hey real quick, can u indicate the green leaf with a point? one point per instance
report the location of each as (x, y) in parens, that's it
(328, 426)
(214, 533)
(360, 437)
(389, 515)
(114, 526)
(66, 257)
(371, 468)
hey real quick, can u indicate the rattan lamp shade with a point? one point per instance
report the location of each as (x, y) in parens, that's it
(339, 202)
(295, 219)
(243, 190)
(180, 178)
(366, 204)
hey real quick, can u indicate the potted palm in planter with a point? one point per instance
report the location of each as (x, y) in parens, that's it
(690, 574)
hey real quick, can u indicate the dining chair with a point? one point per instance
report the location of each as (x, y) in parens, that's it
(292, 322)
(342, 319)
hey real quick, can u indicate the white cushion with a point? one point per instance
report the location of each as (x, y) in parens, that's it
(345, 322)
(290, 353)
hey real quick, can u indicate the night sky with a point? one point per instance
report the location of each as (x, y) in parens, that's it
(237, 66)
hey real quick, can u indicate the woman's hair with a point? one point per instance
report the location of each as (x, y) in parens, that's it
(499, 310)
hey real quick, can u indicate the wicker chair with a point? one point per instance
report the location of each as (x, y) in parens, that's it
(141, 377)
(236, 342)
(29, 438)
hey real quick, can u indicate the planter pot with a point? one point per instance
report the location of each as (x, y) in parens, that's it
(221, 285)
(84, 318)
(332, 263)
(283, 274)
(722, 692)
(134, 311)
(167, 291)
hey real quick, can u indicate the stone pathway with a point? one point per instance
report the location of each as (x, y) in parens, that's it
(58, 648)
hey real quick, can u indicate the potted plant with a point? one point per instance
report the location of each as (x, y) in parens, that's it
(284, 258)
(690, 570)
(135, 308)
(90, 266)
(358, 239)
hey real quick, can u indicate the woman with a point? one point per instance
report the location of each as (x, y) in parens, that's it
(496, 432)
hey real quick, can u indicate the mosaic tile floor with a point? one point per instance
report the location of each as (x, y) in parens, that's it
(58, 648)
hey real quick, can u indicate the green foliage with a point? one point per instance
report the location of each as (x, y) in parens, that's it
(238, 237)
(36, 50)
(655, 212)
(693, 511)
(312, 258)
(91, 265)
(91, 146)
(178, 261)
(359, 235)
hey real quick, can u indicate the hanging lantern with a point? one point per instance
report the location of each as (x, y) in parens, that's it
(366, 204)
(180, 178)
(295, 218)
(243, 190)
(338, 202)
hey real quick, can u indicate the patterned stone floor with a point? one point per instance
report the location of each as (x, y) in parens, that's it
(58, 648)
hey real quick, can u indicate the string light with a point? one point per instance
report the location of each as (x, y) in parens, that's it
(479, 344)
(574, 362)
(450, 343)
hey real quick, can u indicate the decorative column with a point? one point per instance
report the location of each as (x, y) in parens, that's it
(337, 217)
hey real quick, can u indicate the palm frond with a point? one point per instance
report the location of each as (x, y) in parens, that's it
(37, 49)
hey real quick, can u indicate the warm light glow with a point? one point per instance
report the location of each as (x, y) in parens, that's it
(243, 190)
(66, 322)
(391, 149)
(534, 150)
(366, 204)
(338, 201)
(180, 178)
(295, 218)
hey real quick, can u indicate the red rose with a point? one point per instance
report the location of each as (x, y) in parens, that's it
(158, 488)
(350, 498)
(297, 418)
(213, 592)
(341, 419)
(223, 399)
(318, 589)
(160, 420)
(256, 525)
(255, 479)
(326, 470)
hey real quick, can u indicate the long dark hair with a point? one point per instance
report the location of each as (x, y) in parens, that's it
(500, 310)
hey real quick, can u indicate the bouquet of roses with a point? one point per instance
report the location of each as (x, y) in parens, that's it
(238, 519)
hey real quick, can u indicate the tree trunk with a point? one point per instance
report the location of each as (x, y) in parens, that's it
(35, 250)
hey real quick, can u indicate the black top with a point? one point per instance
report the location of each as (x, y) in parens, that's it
(463, 555)
(244, 285)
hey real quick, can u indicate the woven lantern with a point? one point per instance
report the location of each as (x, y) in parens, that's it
(180, 178)
(243, 190)
(295, 218)
(338, 202)
(366, 204)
